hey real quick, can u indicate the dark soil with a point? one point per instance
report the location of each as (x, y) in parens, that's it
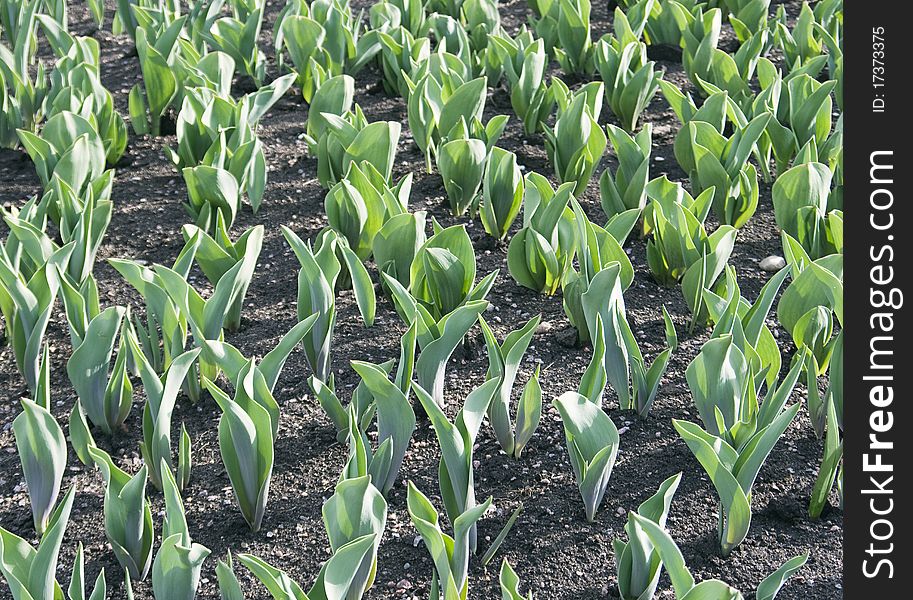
(552, 547)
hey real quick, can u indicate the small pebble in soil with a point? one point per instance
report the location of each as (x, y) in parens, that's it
(772, 263)
(404, 584)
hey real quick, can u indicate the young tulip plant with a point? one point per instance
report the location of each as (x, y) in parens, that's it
(457, 440)
(149, 102)
(334, 97)
(31, 572)
(22, 88)
(740, 433)
(401, 52)
(815, 284)
(337, 576)
(213, 193)
(320, 40)
(359, 205)
(733, 73)
(831, 470)
(803, 116)
(502, 193)
(217, 255)
(218, 131)
(68, 149)
(730, 406)
(390, 15)
(370, 398)
(237, 36)
(461, 163)
(105, 394)
(128, 516)
(161, 398)
(577, 142)
(206, 318)
(700, 37)
(801, 200)
(592, 443)
(163, 336)
(442, 276)
(13, 250)
(530, 97)
(75, 85)
(397, 243)
(811, 309)
(735, 179)
(597, 249)
(637, 561)
(42, 452)
(351, 139)
(575, 52)
(503, 364)
(437, 338)
(628, 24)
(627, 188)
(635, 383)
(748, 17)
(442, 107)
(482, 21)
(630, 80)
(179, 561)
(395, 421)
(683, 581)
(354, 518)
(449, 554)
(674, 221)
(247, 434)
(544, 22)
(666, 20)
(27, 306)
(82, 228)
(801, 44)
(317, 280)
(541, 253)
(746, 322)
(704, 274)
(454, 50)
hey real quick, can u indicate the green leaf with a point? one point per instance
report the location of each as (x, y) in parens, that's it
(510, 584)
(430, 368)
(529, 411)
(592, 442)
(128, 516)
(461, 163)
(42, 452)
(395, 417)
(502, 192)
(229, 586)
(246, 445)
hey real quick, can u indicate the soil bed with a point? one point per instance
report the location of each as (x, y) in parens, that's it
(556, 553)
